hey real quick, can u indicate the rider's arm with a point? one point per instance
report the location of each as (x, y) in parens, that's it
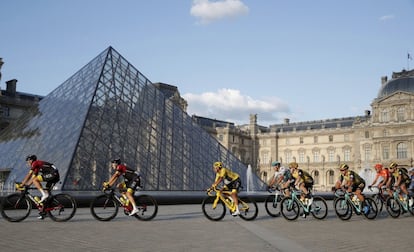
(375, 180)
(114, 178)
(217, 181)
(27, 178)
(398, 180)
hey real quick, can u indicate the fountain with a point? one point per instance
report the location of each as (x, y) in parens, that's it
(249, 179)
(368, 175)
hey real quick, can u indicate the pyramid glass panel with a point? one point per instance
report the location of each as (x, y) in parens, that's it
(108, 110)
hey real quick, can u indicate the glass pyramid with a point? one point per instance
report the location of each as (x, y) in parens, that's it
(108, 110)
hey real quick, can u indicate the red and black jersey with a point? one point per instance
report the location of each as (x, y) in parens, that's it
(42, 167)
(128, 173)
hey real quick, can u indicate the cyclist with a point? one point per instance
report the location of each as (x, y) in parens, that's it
(131, 181)
(382, 176)
(352, 182)
(279, 176)
(411, 186)
(40, 171)
(302, 180)
(231, 182)
(399, 180)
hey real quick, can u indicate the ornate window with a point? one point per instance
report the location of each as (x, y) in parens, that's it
(316, 177)
(384, 116)
(400, 114)
(401, 150)
(385, 152)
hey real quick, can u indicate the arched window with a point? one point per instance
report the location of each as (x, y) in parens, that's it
(316, 177)
(401, 150)
(331, 178)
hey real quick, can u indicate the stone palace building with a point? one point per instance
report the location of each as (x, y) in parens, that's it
(382, 135)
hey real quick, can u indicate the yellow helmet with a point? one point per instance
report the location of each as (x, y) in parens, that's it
(392, 165)
(343, 167)
(293, 165)
(218, 165)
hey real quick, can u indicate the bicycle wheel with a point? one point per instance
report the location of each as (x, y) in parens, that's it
(147, 206)
(380, 204)
(343, 209)
(289, 208)
(319, 208)
(272, 206)
(15, 207)
(215, 214)
(61, 207)
(411, 209)
(393, 207)
(104, 208)
(248, 208)
(373, 208)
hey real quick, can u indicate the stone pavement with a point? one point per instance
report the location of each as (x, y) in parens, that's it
(184, 228)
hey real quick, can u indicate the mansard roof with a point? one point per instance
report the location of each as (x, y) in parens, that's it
(400, 82)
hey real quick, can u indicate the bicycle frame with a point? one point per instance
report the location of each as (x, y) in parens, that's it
(294, 197)
(403, 204)
(348, 198)
(117, 196)
(43, 206)
(279, 193)
(224, 196)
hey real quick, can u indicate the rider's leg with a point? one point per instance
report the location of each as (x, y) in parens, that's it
(38, 185)
(130, 195)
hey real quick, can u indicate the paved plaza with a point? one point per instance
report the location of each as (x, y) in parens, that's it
(184, 228)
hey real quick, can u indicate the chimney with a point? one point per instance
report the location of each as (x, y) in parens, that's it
(11, 87)
(384, 80)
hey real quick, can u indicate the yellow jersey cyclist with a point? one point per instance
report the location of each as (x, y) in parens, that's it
(352, 182)
(231, 181)
(400, 179)
(302, 180)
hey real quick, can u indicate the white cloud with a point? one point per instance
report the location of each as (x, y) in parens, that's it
(230, 105)
(386, 17)
(207, 11)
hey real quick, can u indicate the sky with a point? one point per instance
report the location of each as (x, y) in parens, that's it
(300, 59)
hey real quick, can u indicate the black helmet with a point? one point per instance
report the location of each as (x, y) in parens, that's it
(31, 157)
(116, 161)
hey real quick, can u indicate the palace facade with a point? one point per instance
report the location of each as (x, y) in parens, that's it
(382, 135)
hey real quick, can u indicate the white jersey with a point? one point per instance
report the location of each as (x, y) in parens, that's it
(281, 172)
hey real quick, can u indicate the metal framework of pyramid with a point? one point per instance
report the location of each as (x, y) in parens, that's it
(108, 110)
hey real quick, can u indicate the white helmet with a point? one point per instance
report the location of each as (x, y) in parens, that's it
(282, 170)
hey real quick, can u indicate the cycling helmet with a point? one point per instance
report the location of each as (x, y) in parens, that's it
(293, 165)
(343, 167)
(31, 157)
(218, 165)
(274, 163)
(116, 161)
(393, 165)
(282, 170)
(378, 166)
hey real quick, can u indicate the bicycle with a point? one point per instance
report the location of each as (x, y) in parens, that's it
(397, 206)
(214, 206)
(106, 206)
(380, 197)
(272, 202)
(291, 206)
(17, 206)
(348, 203)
